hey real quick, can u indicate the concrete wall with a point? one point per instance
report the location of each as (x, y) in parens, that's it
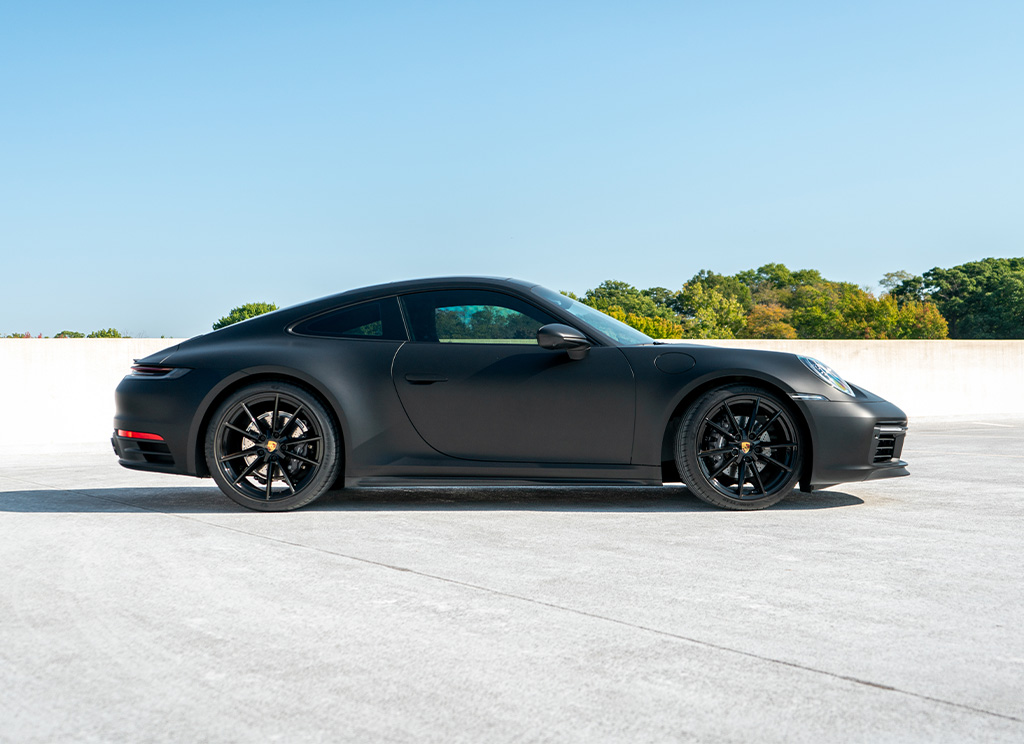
(60, 392)
(924, 378)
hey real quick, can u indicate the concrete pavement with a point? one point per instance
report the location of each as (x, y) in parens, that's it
(143, 607)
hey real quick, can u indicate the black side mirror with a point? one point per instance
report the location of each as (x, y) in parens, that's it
(560, 336)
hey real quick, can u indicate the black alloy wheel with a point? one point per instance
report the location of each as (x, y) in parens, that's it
(739, 447)
(273, 447)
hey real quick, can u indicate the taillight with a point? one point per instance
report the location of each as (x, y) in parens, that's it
(139, 435)
(150, 370)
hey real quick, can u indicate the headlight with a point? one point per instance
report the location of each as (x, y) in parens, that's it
(828, 375)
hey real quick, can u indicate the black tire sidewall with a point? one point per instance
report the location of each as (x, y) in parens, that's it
(324, 478)
(686, 456)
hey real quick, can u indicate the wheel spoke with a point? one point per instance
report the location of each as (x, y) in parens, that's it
(732, 418)
(307, 440)
(288, 425)
(247, 434)
(270, 478)
(780, 445)
(776, 463)
(252, 418)
(248, 471)
(243, 453)
(753, 412)
(741, 477)
(715, 452)
(764, 428)
(722, 469)
(273, 419)
(302, 459)
(287, 478)
(757, 477)
(721, 430)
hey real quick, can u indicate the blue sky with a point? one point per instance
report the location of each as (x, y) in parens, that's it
(162, 163)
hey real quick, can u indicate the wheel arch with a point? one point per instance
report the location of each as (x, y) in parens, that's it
(244, 378)
(693, 393)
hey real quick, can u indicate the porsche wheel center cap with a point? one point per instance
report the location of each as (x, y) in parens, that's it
(272, 445)
(745, 446)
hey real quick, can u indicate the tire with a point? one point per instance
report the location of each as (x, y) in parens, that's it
(273, 428)
(739, 447)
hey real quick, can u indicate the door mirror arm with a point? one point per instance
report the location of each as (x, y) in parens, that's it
(558, 336)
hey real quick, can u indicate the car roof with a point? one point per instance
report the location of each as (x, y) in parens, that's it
(415, 285)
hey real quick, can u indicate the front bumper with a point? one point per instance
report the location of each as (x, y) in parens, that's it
(854, 440)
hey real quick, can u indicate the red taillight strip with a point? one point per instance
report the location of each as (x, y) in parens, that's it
(149, 369)
(138, 435)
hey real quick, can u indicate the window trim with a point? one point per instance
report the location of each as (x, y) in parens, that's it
(493, 290)
(313, 316)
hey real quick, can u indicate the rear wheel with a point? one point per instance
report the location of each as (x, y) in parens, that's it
(273, 447)
(739, 447)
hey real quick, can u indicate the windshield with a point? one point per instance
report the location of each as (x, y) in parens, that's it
(607, 325)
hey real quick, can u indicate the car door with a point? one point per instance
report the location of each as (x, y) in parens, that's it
(476, 385)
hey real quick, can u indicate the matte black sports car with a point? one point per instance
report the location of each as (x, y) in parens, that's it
(486, 381)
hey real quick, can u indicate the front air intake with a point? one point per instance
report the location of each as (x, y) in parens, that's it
(888, 441)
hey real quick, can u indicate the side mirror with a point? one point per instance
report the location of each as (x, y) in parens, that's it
(560, 336)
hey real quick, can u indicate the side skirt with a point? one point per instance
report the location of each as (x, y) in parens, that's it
(511, 474)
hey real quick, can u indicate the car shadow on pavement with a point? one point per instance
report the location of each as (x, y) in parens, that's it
(191, 500)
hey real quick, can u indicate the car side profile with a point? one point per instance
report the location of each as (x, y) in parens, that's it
(472, 380)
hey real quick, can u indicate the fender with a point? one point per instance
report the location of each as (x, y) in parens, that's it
(651, 432)
(201, 418)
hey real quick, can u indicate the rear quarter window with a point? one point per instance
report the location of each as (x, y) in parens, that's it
(379, 319)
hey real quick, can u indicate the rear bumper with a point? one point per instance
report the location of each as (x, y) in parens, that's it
(138, 454)
(165, 407)
(854, 441)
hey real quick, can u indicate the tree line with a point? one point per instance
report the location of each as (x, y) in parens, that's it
(102, 333)
(977, 300)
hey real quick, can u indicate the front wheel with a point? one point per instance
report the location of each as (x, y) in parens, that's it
(739, 447)
(273, 446)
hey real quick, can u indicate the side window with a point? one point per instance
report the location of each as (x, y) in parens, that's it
(473, 316)
(380, 319)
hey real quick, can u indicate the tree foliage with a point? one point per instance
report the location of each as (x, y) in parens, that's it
(769, 321)
(980, 299)
(710, 313)
(627, 298)
(70, 334)
(774, 301)
(106, 333)
(244, 312)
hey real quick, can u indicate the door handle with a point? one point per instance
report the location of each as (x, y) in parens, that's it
(425, 379)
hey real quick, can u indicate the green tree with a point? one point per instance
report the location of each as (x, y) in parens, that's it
(920, 320)
(727, 286)
(664, 298)
(628, 298)
(773, 284)
(711, 314)
(833, 310)
(106, 333)
(652, 326)
(244, 312)
(70, 334)
(980, 299)
(903, 286)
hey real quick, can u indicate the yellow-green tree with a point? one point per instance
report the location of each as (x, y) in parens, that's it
(769, 321)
